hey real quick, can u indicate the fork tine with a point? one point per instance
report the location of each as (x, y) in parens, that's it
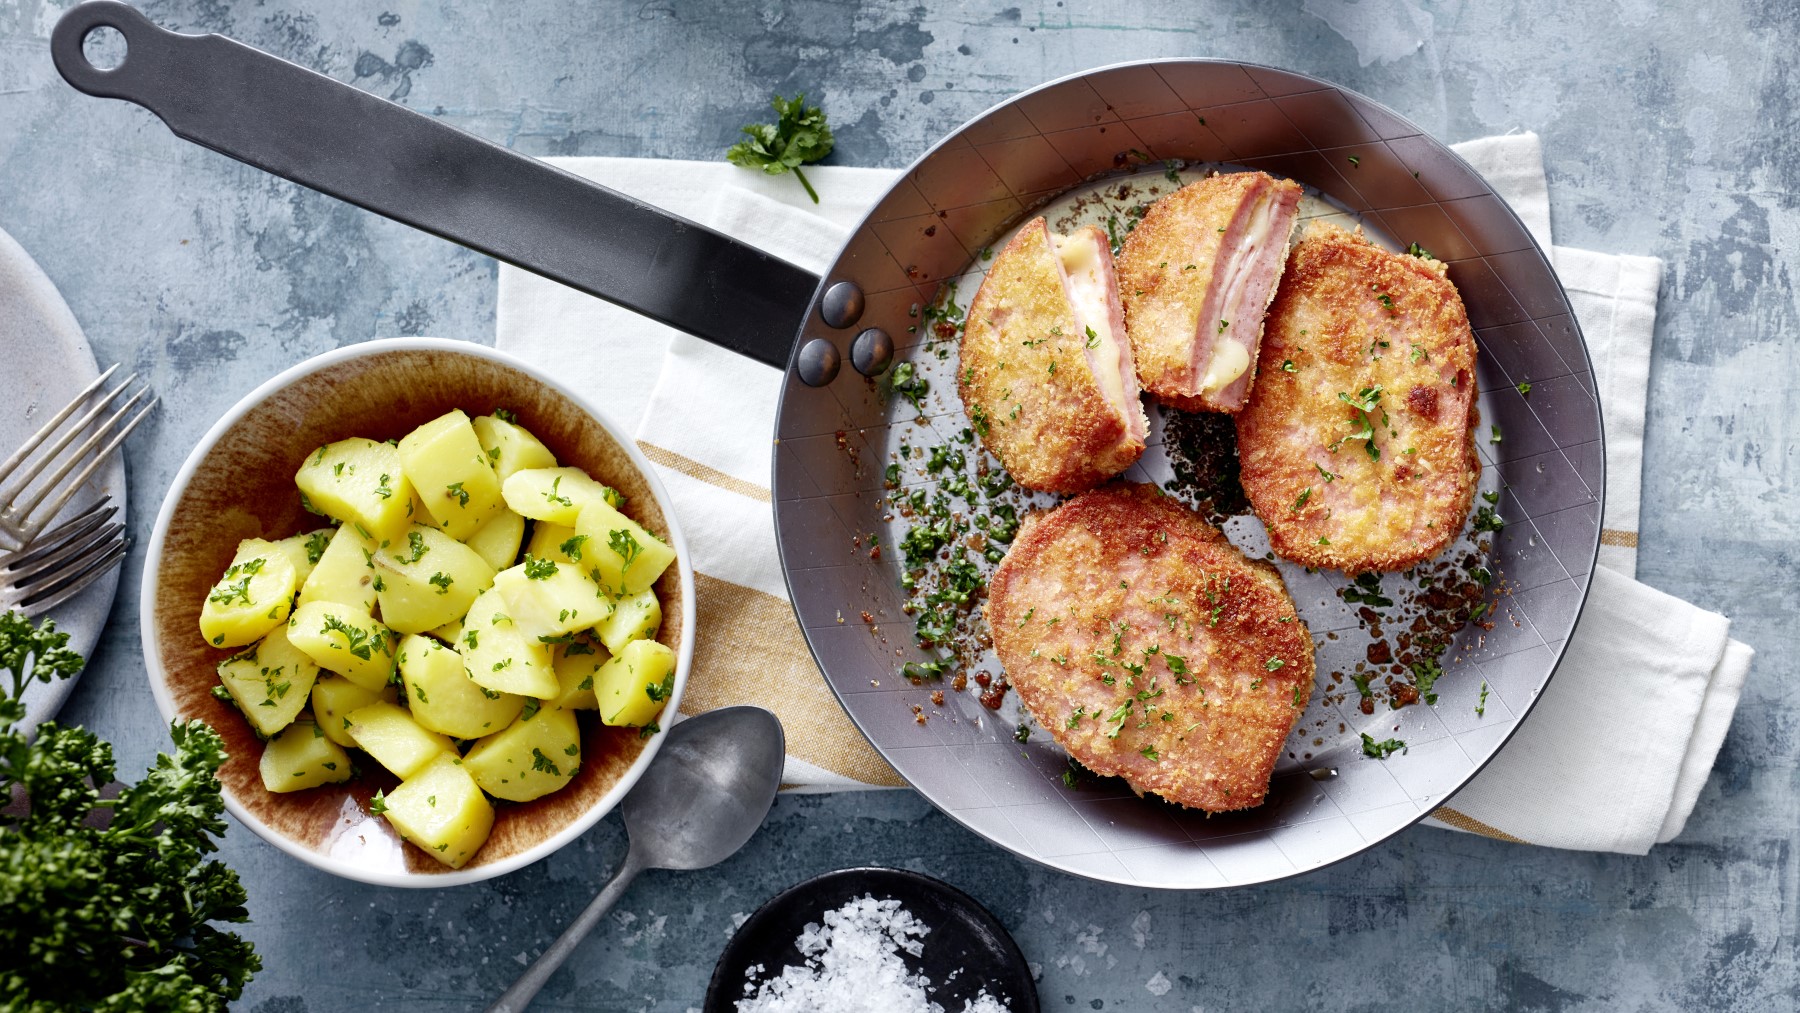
(75, 583)
(77, 526)
(23, 576)
(86, 453)
(50, 427)
(69, 435)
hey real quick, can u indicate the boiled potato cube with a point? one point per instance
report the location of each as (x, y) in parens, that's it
(252, 598)
(555, 542)
(271, 681)
(530, 758)
(446, 464)
(498, 540)
(443, 697)
(620, 555)
(346, 640)
(305, 551)
(450, 633)
(345, 572)
(509, 448)
(577, 666)
(441, 810)
(501, 657)
(636, 618)
(303, 757)
(555, 494)
(397, 742)
(632, 686)
(428, 579)
(358, 481)
(548, 601)
(334, 697)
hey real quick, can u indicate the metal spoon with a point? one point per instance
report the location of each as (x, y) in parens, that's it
(698, 803)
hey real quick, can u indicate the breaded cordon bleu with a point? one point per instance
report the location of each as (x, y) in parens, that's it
(1196, 277)
(1357, 448)
(1150, 648)
(1045, 372)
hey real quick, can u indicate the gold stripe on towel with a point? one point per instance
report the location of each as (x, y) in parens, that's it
(748, 650)
(1461, 821)
(1613, 536)
(711, 476)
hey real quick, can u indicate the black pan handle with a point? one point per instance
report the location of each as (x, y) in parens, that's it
(384, 157)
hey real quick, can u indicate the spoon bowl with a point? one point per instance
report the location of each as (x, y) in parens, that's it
(703, 797)
(709, 790)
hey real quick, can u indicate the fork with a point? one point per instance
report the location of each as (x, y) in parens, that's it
(29, 498)
(62, 561)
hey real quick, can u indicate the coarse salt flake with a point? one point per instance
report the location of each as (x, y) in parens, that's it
(856, 963)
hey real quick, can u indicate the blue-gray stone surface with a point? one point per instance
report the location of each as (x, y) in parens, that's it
(1668, 129)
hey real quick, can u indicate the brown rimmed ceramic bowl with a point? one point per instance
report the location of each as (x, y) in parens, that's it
(239, 483)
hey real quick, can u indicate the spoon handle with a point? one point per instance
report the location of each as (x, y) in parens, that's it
(516, 998)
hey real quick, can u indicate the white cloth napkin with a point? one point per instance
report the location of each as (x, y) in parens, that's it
(1613, 760)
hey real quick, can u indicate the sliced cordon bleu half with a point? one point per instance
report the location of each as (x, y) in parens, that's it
(1045, 372)
(1196, 277)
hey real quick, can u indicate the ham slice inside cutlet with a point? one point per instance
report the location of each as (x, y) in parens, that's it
(1198, 275)
(1093, 291)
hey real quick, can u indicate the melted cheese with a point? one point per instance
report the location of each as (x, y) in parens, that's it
(1231, 355)
(1080, 257)
(1229, 361)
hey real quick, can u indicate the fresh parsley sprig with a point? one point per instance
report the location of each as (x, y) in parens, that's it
(800, 136)
(110, 913)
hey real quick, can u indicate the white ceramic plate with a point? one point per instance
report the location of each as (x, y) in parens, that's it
(48, 361)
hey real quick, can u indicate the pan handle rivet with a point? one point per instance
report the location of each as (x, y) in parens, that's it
(871, 352)
(819, 362)
(842, 305)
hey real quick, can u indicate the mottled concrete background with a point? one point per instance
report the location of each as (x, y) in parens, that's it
(1668, 130)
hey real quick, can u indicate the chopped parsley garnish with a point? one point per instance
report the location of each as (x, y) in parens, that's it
(356, 639)
(1487, 520)
(1380, 750)
(378, 804)
(1419, 251)
(905, 381)
(554, 497)
(1481, 704)
(540, 762)
(572, 548)
(1426, 672)
(1093, 340)
(383, 490)
(625, 545)
(539, 569)
(415, 542)
(442, 582)
(1300, 500)
(1287, 366)
(1524, 389)
(238, 590)
(456, 492)
(1354, 161)
(1274, 664)
(316, 544)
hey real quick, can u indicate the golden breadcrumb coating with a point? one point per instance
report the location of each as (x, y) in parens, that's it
(1199, 271)
(1150, 648)
(1356, 447)
(1027, 380)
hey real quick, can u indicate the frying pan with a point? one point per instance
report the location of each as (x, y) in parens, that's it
(836, 427)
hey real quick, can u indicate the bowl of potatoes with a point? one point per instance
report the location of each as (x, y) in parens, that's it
(438, 608)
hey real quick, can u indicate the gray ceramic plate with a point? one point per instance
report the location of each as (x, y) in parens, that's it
(48, 361)
(1359, 161)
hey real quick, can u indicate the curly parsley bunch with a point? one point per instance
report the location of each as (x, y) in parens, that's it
(107, 904)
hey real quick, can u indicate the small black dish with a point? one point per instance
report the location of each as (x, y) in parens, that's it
(963, 935)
